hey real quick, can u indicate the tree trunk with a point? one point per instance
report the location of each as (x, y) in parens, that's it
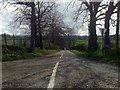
(5, 38)
(92, 42)
(40, 39)
(117, 29)
(21, 41)
(13, 40)
(39, 42)
(33, 27)
(107, 37)
(52, 34)
(107, 24)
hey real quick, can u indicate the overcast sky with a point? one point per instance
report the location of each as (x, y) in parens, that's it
(68, 14)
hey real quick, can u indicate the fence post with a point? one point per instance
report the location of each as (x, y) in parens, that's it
(2, 39)
(24, 42)
(21, 41)
(13, 40)
(5, 38)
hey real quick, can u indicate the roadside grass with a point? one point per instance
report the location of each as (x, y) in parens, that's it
(15, 53)
(112, 56)
(107, 56)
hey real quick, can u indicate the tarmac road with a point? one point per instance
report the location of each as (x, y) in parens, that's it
(60, 70)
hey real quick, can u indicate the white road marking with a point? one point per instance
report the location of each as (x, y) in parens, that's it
(52, 79)
(61, 55)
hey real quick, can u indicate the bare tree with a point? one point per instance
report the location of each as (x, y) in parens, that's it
(38, 17)
(118, 27)
(96, 13)
(92, 7)
(32, 17)
(108, 14)
(43, 9)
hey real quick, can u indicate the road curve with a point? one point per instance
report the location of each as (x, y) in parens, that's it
(61, 70)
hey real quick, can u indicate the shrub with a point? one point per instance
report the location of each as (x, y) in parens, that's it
(80, 47)
(51, 46)
(15, 53)
(112, 56)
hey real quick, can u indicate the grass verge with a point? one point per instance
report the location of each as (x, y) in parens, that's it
(112, 56)
(16, 53)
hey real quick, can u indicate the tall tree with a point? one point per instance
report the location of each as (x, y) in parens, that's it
(38, 18)
(33, 27)
(44, 8)
(92, 6)
(111, 7)
(33, 22)
(39, 43)
(108, 14)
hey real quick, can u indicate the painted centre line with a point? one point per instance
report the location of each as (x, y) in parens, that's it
(61, 55)
(52, 79)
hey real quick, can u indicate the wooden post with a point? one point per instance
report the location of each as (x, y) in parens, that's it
(13, 40)
(21, 41)
(5, 38)
(24, 42)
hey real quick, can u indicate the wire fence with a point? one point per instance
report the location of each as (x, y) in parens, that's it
(12, 40)
(24, 41)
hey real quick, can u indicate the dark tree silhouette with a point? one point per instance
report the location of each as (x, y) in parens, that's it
(111, 7)
(92, 6)
(118, 27)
